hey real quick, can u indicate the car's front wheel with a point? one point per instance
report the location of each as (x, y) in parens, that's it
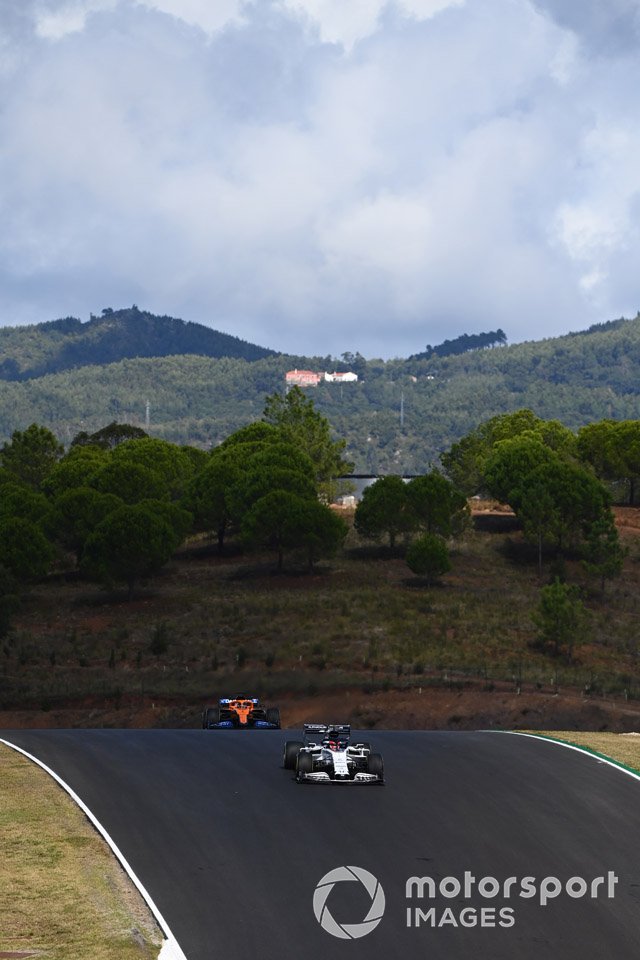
(290, 755)
(376, 765)
(210, 715)
(304, 765)
(273, 716)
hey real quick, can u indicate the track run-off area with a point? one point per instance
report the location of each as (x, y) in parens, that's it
(483, 845)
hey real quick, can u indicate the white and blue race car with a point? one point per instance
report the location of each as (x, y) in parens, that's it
(326, 755)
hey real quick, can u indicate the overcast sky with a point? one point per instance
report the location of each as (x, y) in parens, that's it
(322, 175)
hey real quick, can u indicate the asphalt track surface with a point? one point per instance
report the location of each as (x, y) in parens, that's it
(231, 848)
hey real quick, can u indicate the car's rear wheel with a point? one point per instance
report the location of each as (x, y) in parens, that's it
(304, 764)
(210, 715)
(376, 765)
(290, 755)
(273, 716)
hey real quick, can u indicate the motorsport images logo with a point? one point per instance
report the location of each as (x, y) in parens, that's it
(348, 931)
(438, 892)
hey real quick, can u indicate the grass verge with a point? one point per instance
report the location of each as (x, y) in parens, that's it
(62, 891)
(624, 748)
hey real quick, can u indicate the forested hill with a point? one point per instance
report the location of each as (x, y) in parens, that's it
(463, 344)
(398, 417)
(44, 348)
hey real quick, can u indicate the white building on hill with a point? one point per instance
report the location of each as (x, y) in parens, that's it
(341, 377)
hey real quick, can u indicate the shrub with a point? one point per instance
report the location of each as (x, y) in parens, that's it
(428, 557)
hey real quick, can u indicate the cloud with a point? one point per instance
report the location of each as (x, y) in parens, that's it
(608, 28)
(348, 23)
(319, 176)
(211, 17)
(54, 20)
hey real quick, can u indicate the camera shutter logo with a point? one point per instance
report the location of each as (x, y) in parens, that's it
(348, 931)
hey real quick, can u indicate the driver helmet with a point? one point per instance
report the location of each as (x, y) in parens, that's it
(332, 744)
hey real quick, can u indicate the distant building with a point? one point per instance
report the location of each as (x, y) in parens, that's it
(348, 501)
(341, 377)
(307, 378)
(302, 378)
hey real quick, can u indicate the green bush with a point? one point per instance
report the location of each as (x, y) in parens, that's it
(428, 557)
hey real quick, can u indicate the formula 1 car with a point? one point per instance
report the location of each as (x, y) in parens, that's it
(326, 756)
(240, 713)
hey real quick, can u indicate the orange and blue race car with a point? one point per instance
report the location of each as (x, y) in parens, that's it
(240, 713)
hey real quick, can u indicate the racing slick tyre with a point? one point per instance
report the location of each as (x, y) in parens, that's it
(304, 765)
(210, 715)
(273, 716)
(376, 765)
(290, 755)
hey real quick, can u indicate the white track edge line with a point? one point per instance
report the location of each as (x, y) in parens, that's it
(571, 746)
(171, 949)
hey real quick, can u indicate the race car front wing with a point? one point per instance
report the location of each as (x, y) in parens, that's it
(253, 725)
(320, 777)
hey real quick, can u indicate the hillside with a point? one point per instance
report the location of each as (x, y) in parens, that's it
(45, 348)
(460, 655)
(578, 378)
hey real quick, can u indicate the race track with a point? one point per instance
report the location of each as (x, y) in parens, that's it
(231, 848)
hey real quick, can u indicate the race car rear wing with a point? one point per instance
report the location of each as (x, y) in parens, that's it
(224, 700)
(329, 731)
